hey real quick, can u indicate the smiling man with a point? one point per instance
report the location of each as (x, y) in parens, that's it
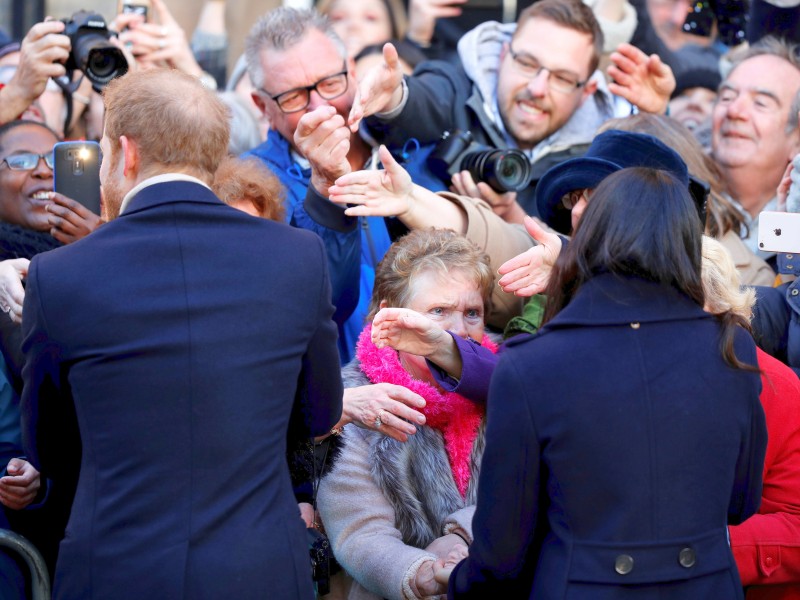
(755, 126)
(531, 85)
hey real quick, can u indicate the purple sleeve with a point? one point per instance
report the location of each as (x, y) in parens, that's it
(478, 366)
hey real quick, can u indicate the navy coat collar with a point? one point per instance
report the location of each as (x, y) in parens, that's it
(168, 193)
(609, 299)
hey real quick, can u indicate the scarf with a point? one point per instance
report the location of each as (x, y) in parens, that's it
(457, 418)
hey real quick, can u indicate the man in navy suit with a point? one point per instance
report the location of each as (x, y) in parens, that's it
(167, 355)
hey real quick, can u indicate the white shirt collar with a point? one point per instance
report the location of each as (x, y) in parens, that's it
(163, 178)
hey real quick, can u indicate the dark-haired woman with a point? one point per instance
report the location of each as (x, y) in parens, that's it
(630, 432)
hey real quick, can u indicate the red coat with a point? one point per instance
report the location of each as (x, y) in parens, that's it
(767, 545)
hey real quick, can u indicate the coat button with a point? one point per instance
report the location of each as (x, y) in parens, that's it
(795, 291)
(623, 564)
(687, 558)
(635, 325)
(789, 256)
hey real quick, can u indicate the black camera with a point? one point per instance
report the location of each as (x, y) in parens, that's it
(504, 170)
(91, 51)
(319, 548)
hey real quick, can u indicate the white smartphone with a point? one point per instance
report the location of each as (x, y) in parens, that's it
(779, 232)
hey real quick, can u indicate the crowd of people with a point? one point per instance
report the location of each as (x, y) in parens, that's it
(424, 299)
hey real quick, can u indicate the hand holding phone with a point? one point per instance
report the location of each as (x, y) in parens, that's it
(70, 220)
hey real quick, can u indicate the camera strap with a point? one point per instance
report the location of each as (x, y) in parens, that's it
(69, 88)
(317, 478)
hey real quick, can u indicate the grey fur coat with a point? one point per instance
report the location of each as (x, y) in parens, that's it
(383, 502)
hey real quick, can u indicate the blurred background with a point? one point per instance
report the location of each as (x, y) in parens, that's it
(17, 16)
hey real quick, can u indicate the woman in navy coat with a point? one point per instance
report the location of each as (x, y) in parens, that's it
(624, 437)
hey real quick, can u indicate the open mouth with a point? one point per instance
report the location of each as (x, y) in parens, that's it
(41, 197)
(530, 109)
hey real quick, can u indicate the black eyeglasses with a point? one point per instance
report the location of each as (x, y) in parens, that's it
(27, 161)
(297, 99)
(561, 81)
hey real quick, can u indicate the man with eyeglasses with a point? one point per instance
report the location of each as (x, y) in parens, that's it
(305, 84)
(531, 85)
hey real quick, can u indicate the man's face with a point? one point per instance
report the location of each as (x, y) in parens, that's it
(314, 58)
(668, 17)
(530, 107)
(112, 181)
(750, 117)
(23, 193)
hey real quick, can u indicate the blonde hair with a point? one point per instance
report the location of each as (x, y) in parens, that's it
(438, 250)
(722, 282)
(174, 120)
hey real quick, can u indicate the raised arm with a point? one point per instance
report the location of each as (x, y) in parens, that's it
(645, 81)
(391, 193)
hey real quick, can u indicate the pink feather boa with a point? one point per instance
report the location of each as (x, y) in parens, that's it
(456, 417)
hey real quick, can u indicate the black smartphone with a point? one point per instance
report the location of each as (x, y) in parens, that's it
(76, 172)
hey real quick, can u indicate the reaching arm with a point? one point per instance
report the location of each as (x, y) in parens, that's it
(42, 54)
(528, 273)
(645, 81)
(391, 193)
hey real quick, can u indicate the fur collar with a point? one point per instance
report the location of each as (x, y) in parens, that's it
(456, 417)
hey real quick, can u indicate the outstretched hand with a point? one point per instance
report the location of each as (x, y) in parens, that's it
(379, 90)
(789, 188)
(382, 193)
(162, 43)
(12, 294)
(527, 274)
(644, 81)
(406, 330)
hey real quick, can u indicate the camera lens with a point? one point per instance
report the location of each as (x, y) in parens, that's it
(98, 58)
(503, 170)
(101, 64)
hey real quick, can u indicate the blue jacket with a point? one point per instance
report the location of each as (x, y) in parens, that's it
(621, 445)
(354, 246)
(776, 321)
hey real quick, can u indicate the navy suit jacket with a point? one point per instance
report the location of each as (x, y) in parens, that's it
(619, 445)
(187, 335)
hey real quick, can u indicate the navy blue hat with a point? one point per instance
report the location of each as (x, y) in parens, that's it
(610, 151)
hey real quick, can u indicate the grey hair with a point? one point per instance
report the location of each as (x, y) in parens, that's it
(281, 29)
(781, 48)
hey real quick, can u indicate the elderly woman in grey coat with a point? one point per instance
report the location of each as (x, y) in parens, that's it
(392, 508)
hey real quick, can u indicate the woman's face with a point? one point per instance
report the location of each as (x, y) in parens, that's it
(23, 193)
(453, 301)
(360, 23)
